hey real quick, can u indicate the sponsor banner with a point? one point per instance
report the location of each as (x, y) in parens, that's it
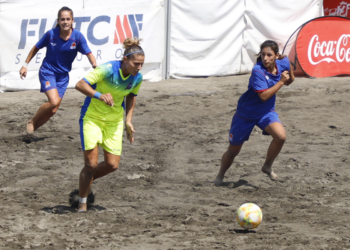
(105, 29)
(323, 47)
(336, 8)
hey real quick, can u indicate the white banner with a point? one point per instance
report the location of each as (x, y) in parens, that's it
(219, 37)
(206, 37)
(105, 25)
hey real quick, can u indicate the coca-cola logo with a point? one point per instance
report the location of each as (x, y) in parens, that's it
(323, 47)
(336, 8)
(326, 50)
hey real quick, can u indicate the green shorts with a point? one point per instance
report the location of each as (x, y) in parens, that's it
(108, 135)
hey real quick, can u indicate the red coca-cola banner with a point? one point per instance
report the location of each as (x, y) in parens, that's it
(323, 47)
(336, 8)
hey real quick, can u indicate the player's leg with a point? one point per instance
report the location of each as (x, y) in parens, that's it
(239, 133)
(226, 162)
(91, 137)
(112, 145)
(109, 165)
(45, 111)
(279, 136)
(54, 94)
(86, 176)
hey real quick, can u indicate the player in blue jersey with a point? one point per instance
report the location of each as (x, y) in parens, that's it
(257, 107)
(62, 44)
(102, 116)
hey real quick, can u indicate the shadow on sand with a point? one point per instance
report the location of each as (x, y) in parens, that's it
(240, 182)
(62, 209)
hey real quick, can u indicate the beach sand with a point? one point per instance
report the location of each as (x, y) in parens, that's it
(162, 195)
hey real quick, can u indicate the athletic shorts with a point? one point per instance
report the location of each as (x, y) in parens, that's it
(108, 135)
(241, 128)
(51, 80)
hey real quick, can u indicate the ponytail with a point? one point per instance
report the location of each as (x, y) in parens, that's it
(132, 46)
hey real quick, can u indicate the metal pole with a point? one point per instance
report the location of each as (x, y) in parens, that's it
(166, 60)
(321, 8)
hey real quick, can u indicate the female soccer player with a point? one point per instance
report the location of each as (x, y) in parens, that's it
(101, 121)
(257, 107)
(63, 43)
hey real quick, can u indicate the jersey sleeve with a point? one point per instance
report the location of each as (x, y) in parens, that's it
(43, 42)
(83, 47)
(96, 75)
(259, 82)
(284, 64)
(136, 89)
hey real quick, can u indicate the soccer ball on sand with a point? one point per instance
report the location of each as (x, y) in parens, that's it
(249, 216)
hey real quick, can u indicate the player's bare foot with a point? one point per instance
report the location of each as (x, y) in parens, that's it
(30, 127)
(270, 173)
(82, 207)
(218, 181)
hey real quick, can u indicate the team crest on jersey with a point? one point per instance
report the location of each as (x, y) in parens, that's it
(73, 46)
(129, 86)
(47, 84)
(267, 77)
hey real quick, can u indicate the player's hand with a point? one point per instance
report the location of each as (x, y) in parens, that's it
(107, 98)
(285, 76)
(94, 66)
(23, 72)
(130, 131)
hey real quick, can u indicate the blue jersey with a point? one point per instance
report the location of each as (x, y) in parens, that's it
(250, 105)
(60, 54)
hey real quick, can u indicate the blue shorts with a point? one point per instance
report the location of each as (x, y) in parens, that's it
(51, 80)
(241, 128)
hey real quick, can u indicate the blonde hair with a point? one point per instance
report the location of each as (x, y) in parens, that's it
(132, 46)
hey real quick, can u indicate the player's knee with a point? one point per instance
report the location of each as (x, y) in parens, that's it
(233, 152)
(112, 166)
(54, 106)
(281, 138)
(55, 103)
(90, 167)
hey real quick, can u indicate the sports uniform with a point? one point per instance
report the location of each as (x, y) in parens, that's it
(100, 123)
(251, 110)
(60, 55)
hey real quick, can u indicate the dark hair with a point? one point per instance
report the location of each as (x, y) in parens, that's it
(64, 8)
(131, 45)
(269, 43)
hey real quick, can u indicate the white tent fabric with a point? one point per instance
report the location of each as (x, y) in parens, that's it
(218, 37)
(206, 37)
(261, 25)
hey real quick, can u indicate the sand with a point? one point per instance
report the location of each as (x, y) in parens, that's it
(162, 195)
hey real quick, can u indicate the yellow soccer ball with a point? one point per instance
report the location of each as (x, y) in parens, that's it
(249, 215)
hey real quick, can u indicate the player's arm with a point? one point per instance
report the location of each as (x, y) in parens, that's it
(92, 60)
(87, 90)
(130, 105)
(23, 70)
(270, 92)
(291, 75)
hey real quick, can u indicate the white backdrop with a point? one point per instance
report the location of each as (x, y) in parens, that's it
(23, 23)
(200, 37)
(206, 37)
(219, 37)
